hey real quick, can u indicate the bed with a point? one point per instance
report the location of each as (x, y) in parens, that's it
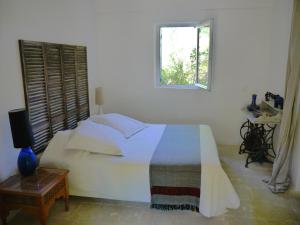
(57, 99)
(127, 177)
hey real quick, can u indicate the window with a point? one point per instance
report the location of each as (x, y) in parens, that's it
(184, 55)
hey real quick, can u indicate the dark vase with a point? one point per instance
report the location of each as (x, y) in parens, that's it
(27, 162)
(252, 107)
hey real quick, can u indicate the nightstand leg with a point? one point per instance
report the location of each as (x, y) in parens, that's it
(4, 215)
(67, 203)
(66, 197)
(43, 216)
(3, 219)
(43, 212)
(3, 212)
(43, 219)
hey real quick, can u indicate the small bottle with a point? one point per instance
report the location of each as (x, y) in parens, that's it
(252, 107)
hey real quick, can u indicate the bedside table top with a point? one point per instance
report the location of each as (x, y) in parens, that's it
(36, 185)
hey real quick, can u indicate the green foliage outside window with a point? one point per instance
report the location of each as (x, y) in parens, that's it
(183, 72)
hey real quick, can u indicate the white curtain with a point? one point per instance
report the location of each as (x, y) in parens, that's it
(279, 180)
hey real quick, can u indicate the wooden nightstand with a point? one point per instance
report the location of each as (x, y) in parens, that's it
(34, 194)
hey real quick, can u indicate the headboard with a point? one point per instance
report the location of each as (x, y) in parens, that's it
(55, 80)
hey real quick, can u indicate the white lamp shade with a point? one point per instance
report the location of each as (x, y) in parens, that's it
(98, 96)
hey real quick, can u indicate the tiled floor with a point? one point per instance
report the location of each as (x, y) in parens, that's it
(258, 205)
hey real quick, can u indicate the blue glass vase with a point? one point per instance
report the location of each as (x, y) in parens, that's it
(27, 162)
(252, 107)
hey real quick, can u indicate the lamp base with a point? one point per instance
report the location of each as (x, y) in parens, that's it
(27, 161)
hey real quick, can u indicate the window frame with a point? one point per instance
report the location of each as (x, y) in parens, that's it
(158, 54)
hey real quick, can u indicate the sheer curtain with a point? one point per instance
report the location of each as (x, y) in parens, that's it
(279, 180)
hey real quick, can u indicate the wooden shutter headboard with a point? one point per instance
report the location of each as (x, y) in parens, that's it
(55, 80)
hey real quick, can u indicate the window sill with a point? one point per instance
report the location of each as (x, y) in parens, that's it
(183, 87)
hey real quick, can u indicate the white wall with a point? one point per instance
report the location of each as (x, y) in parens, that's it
(59, 21)
(250, 50)
(250, 54)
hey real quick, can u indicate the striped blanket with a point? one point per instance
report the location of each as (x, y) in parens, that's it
(175, 169)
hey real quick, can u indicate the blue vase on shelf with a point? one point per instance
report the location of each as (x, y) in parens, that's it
(252, 107)
(27, 161)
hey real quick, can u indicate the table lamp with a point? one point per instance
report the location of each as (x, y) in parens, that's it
(99, 99)
(23, 138)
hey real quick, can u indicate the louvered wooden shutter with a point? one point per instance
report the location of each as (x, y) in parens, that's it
(82, 82)
(56, 87)
(69, 67)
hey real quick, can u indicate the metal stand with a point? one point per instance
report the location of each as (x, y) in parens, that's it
(257, 142)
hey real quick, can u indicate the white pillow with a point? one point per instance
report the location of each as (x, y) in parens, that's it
(96, 138)
(126, 125)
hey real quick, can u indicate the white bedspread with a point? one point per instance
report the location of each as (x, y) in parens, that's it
(127, 177)
(216, 192)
